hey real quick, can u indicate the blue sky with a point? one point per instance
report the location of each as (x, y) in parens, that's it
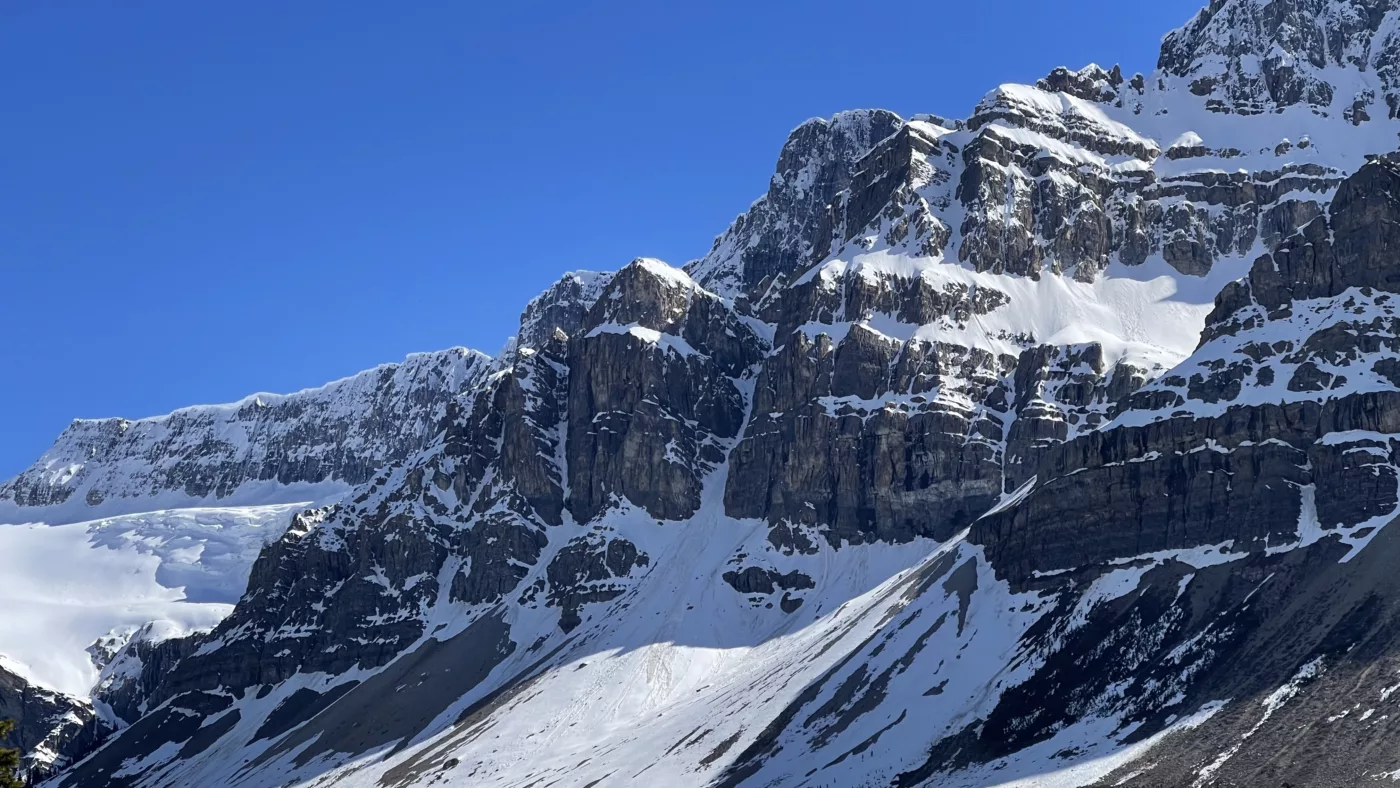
(203, 200)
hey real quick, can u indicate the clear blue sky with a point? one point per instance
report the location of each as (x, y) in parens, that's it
(203, 200)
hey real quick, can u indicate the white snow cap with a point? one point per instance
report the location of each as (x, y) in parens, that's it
(1187, 140)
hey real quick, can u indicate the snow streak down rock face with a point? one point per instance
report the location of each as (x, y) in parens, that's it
(923, 499)
(338, 435)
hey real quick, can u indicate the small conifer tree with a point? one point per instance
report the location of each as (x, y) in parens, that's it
(9, 759)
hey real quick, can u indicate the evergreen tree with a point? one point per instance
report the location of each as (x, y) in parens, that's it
(9, 759)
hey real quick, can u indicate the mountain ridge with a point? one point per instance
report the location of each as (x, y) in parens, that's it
(178, 452)
(741, 524)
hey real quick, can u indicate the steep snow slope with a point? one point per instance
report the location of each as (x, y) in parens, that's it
(678, 657)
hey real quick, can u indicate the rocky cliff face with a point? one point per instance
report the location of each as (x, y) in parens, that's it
(779, 233)
(961, 459)
(1290, 386)
(1259, 57)
(563, 307)
(339, 435)
(1242, 497)
(52, 730)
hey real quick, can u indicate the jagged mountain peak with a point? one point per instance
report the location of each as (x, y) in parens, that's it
(660, 270)
(777, 234)
(854, 123)
(1257, 56)
(560, 307)
(565, 305)
(1236, 58)
(1090, 83)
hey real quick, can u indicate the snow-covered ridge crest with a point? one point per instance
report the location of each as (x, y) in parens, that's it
(1063, 116)
(264, 448)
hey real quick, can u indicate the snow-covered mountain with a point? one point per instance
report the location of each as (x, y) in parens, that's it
(151, 526)
(261, 448)
(1052, 446)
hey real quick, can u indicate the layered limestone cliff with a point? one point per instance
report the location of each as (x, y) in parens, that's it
(1249, 500)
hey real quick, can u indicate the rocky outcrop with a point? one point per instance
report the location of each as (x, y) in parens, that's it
(52, 731)
(654, 393)
(131, 665)
(1185, 483)
(777, 235)
(1061, 392)
(886, 185)
(1114, 196)
(1313, 319)
(1280, 423)
(1091, 83)
(854, 437)
(587, 571)
(562, 307)
(1352, 247)
(871, 438)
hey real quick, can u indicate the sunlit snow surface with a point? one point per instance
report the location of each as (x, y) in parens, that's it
(1148, 314)
(673, 681)
(65, 586)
